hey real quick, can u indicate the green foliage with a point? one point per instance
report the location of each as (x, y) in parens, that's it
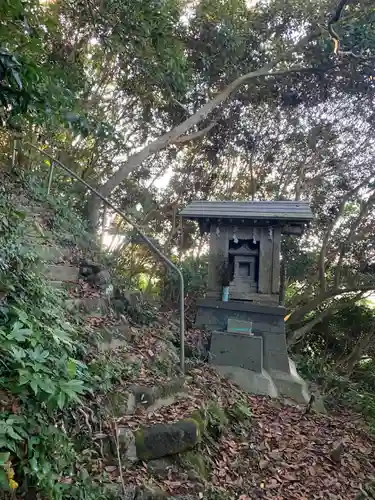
(10, 85)
(196, 461)
(240, 411)
(105, 371)
(215, 418)
(356, 393)
(194, 271)
(335, 339)
(43, 375)
(31, 82)
(367, 490)
(333, 357)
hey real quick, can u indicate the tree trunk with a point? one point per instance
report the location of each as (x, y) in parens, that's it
(296, 335)
(104, 225)
(323, 251)
(350, 362)
(93, 211)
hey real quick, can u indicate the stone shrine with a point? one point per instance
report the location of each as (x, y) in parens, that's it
(244, 261)
(248, 341)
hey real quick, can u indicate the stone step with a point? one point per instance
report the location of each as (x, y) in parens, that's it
(150, 398)
(63, 285)
(61, 272)
(35, 232)
(57, 284)
(111, 338)
(49, 253)
(97, 305)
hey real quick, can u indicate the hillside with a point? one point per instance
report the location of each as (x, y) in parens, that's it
(157, 106)
(79, 379)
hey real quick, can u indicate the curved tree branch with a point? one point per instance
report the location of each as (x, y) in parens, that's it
(194, 135)
(335, 17)
(296, 335)
(301, 312)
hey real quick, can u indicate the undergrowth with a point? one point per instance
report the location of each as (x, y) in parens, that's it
(43, 375)
(355, 392)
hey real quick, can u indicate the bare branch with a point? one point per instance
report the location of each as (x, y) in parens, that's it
(336, 14)
(195, 135)
(170, 137)
(336, 39)
(335, 17)
(296, 335)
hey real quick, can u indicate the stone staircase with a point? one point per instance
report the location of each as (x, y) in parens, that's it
(55, 263)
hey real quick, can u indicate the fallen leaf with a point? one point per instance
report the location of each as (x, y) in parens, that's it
(110, 468)
(272, 483)
(100, 435)
(263, 464)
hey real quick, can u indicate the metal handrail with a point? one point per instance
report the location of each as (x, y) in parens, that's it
(153, 247)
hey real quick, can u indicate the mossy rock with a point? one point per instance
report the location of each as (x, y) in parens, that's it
(162, 440)
(160, 468)
(145, 397)
(142, 397)
(150, 493)
(171, 387)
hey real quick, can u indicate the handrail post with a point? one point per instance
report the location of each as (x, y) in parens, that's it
(50, 176)
(182, 321)
(14, 153)
(153, 247)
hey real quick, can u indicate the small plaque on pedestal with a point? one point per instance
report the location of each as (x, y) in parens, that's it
(239, 326)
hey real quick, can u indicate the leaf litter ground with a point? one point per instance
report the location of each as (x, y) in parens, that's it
(281, 453)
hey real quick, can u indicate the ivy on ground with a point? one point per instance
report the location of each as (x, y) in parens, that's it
(42, 373)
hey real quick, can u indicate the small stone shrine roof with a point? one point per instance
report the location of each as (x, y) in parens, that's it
(293, 211)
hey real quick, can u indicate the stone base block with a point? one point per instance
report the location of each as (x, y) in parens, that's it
(291, 385)
(251, 382)
(274, 384)
(64, 272)
(237, 349)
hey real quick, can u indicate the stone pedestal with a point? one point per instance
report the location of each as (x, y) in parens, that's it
(290, 384)
(251, 382)
(214, 315)
(267, 322)
(260, 359)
